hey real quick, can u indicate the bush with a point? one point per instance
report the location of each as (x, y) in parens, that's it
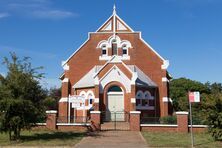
(168, 120)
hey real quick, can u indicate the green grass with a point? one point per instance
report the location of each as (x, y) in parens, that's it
(163, 139)
(43, 138)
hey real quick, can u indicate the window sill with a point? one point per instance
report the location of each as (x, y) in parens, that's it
(104, 57)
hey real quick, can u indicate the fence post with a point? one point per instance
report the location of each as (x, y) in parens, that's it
(51, 119)
(135, 120)
(95, 120)
(182, 121)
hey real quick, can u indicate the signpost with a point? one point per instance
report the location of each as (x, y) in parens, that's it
(193, 97)
(75, 102)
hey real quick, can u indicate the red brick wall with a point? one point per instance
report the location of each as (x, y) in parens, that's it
(158, 129)
(135, 121)
(140, 55)
(81, 128)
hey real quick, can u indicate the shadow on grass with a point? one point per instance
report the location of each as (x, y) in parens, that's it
(52, 136)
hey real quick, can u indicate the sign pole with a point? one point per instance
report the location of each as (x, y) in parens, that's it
(191, 125)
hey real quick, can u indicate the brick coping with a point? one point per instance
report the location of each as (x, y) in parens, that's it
(159, 125)
(73, 124)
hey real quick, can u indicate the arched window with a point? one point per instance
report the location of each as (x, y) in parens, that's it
(139, 97)
(83, 94)
(114, 88)
(90, 97)
(147, 95)
(104, 50)
(114, 47)
(124, 50)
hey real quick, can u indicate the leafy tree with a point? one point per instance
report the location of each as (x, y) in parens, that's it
(21, 96)
(51, 102)
(212, 108)
(179, 89)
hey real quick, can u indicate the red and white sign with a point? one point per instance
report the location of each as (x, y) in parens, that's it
(194, 96)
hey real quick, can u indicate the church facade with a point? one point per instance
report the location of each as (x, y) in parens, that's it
(115, 70)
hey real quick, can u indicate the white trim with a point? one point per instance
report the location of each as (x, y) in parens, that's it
(84, 107)
(119, 32)
(95, 112)
(158, 125)
(96, 100)
(124, 23)
(115, 93)
(104, 23)
(65, 67)
(96, 80)
(164, 79)
(133, 100)
(61, 75)
(123, 79)
(200, 126)
(135, 112)
(151, 48)
(83, 94)
(73, 124)
(64, 99)
(165, 65)
(102, 58)
(40, 123)
(64, 62)
(139, 92)
(65, 80)
(165, 99)
(181, 113)
(51, 111)
(88, 93)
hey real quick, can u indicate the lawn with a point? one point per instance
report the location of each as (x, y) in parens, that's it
(162, 139)
(43, 138)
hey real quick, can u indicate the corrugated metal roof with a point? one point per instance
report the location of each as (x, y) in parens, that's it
(87, 80)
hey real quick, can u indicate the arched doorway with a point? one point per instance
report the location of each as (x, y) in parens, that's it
(115, 104)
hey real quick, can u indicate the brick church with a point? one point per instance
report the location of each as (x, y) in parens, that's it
(115, 70)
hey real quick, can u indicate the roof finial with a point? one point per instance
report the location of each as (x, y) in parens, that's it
(114, 9)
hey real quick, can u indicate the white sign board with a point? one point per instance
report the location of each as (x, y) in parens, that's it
(76, 101)
(194, 96)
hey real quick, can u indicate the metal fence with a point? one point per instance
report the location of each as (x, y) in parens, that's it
(73, 119)
(159, 120)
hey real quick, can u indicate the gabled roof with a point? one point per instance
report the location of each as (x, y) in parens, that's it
(114, 24)
(88, 79)
(109, 27)
(143, 79)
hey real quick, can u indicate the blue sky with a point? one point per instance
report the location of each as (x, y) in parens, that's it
(186, 32)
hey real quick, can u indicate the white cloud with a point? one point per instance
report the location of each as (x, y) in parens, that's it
(53, 14)
(38, 9)
(2, 15)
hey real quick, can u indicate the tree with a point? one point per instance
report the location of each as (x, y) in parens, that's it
(51, 101)
(22, 96)
(212, 108)
(179, 92)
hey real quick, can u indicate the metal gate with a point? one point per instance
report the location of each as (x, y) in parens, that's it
(118, 120)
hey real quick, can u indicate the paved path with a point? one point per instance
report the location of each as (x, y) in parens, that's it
(110, 139)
